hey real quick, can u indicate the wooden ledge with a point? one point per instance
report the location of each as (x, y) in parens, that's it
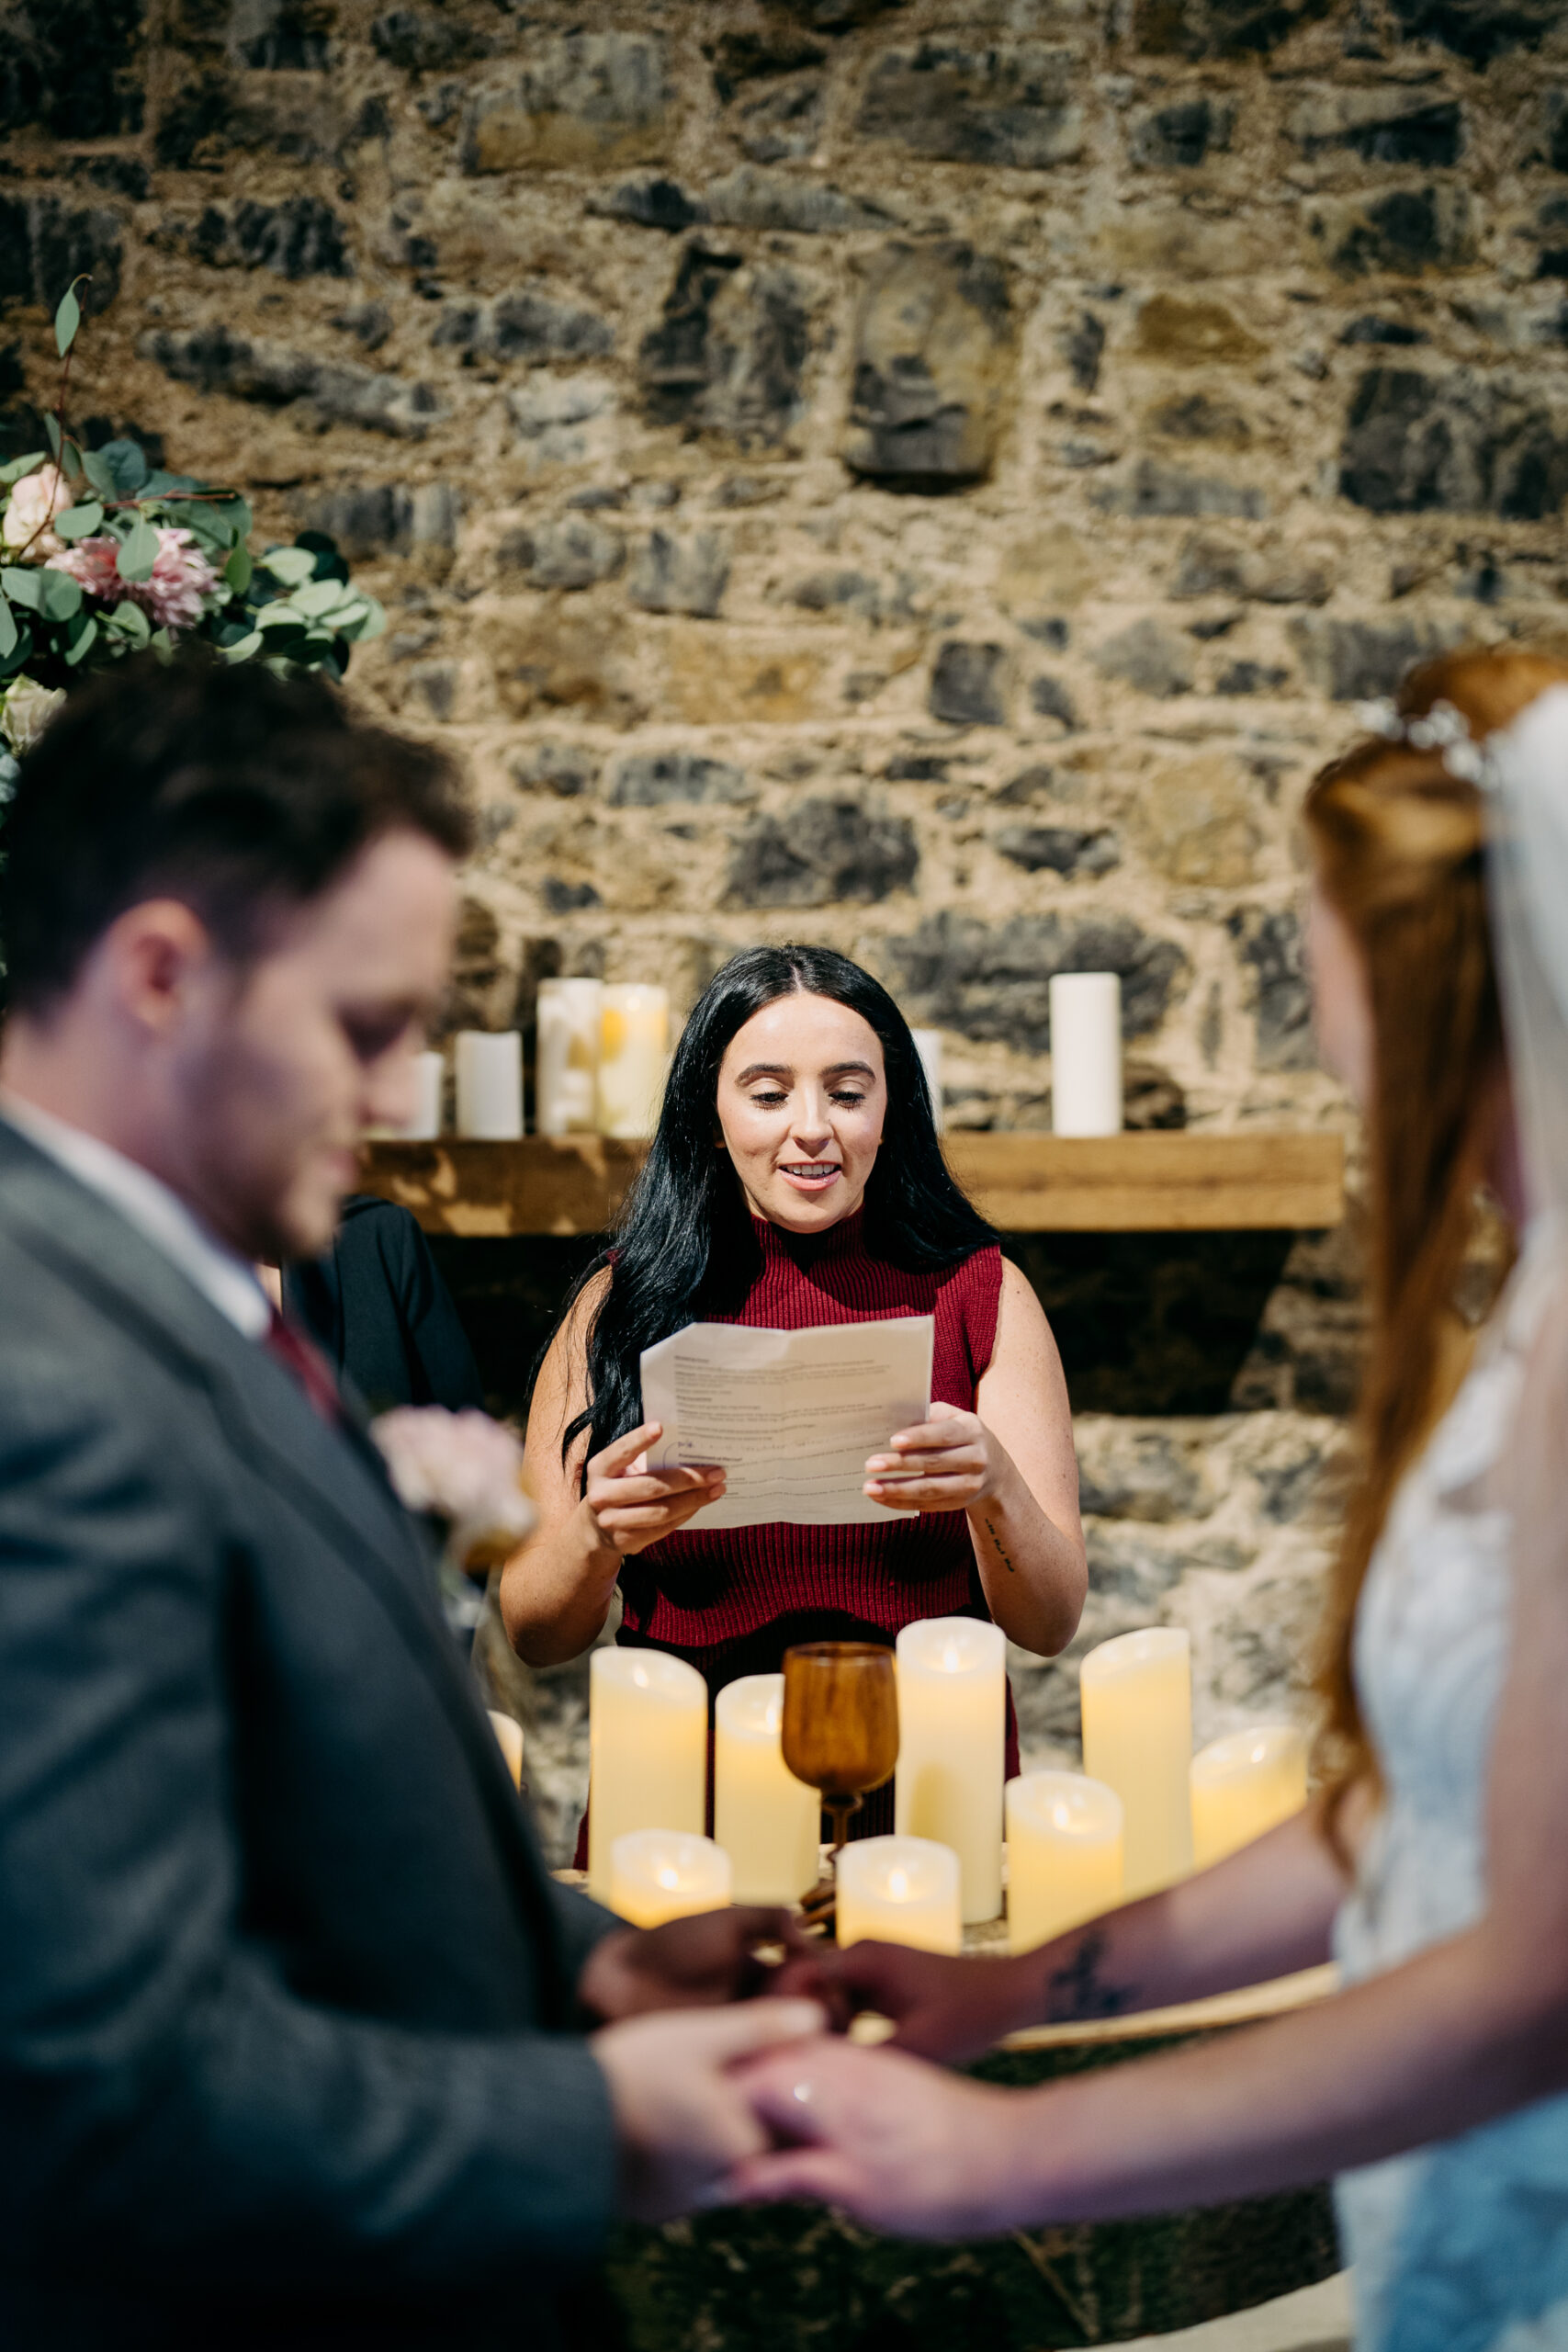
(1160, 1183)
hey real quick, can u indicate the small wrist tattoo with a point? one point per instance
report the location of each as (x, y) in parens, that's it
(1079, 1990)
(1000, 1548)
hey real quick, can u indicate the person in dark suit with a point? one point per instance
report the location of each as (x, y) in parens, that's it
(375, 1304)
(299, 2044)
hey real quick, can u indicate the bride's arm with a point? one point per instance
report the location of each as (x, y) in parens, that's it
(1465, 2031)
(556, 1591)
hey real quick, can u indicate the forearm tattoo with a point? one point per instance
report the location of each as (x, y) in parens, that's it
(1078, 1989)
(1000, 1548)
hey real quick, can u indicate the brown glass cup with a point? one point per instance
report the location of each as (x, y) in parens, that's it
(840, 1722)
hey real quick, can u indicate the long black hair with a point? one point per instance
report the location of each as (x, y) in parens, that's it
(685, 1249)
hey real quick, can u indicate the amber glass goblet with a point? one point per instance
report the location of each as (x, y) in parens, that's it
(840, 1722)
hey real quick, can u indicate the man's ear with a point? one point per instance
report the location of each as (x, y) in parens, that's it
(148, 959)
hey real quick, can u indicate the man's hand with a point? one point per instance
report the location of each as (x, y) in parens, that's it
(945, 2009)
(681, 2119)
(898, 2144)
(689, 1963)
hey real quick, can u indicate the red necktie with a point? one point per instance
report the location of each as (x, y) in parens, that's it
(307, 1365)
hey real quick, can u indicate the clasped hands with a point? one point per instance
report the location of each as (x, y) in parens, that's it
(750, 2097)
(950, 1462)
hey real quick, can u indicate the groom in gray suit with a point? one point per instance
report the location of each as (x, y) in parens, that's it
(299, 2044)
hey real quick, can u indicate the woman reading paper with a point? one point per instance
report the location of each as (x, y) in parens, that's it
(796, 1180)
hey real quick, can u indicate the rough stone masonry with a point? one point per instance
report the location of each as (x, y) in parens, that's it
(932, 477)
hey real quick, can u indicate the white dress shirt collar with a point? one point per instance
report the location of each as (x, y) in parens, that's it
(145, 1202)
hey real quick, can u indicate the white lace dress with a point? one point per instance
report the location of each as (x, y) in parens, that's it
(1461, 2247)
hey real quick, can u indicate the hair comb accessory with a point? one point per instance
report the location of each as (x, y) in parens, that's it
(1442, 728)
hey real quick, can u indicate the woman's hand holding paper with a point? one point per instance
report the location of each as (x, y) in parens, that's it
(629, 1505)
(949, 1463)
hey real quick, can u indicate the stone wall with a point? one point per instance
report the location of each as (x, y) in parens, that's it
(932, 477)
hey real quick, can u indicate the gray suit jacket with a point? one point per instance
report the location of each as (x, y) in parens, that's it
(288, 2046)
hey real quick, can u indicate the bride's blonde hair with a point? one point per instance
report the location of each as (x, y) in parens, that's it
(1398, 844)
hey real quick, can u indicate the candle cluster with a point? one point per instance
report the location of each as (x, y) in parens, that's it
(1142, 1815)
(603, 1054)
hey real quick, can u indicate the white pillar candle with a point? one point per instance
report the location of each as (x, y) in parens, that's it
(952, 1744)
(1244, 1784)
(634, 1046)
(648, 1750)
(489, 1084)
(510, 1735)
(1136, 1694)
(900, 1890)
(424, 1122)
(927, 1044)
(769, 1823)
(1064, 1855)
(1086, 1053)
(567, 1068)
(658, 1874)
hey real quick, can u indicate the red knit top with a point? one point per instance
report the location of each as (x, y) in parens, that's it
(733, 1600)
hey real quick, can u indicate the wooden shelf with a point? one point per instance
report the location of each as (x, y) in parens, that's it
(1024, 1184)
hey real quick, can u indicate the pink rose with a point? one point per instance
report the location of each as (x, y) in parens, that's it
(35, 501)
(462, 1467)
(172, 598)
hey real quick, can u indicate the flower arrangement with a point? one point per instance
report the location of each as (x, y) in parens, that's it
(464, 1471)
(102, 554)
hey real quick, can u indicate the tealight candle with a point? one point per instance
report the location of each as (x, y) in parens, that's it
(634, 1042)
(1086, 1053)
(510, 1735)
(488, 1066)
(648, 1749)
(658, 1874)
(900, 1890)
(952, 1744)
(566, 1072)
(769, 1823)
(1136, 1695)
(1244, 1784)
(1064, 1855)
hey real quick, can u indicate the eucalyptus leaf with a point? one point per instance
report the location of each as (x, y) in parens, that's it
(67, 319)
(291, 565)
(129, 620)
(361, 627)
(20, 653)
(59, 595)
(126, 466)
(52, 426)
(243, 648)
(79, 521)
(318, 597)
(158, 483)
(80, 637)
(139, 551)
(20, 582)
(279, 619)
(20, 466)
(8, 630)
(237, 571)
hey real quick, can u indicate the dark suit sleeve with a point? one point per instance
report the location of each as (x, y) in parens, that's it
(167, 2100)
(583, 1922)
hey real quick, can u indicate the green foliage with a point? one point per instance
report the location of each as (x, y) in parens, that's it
(136, 556)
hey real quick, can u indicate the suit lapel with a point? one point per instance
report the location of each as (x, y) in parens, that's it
(335, 1476)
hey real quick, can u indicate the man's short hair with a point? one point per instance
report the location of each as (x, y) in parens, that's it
(233, 789)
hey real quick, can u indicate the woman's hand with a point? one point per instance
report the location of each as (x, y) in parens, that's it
(950, 1463)
(629, 1505)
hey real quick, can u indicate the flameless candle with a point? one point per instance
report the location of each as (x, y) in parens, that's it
(634, 1042)
(510, 1735)
(1064, 1855)
(1244, 1784)
(927, 1044)
(1136, 1694)
(900, 1890)
(489, 1084)
(648, 1750)
(566, 1079)
(952, 1741)
(658, 1874)
(767, 1821)
(1086, 1053)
